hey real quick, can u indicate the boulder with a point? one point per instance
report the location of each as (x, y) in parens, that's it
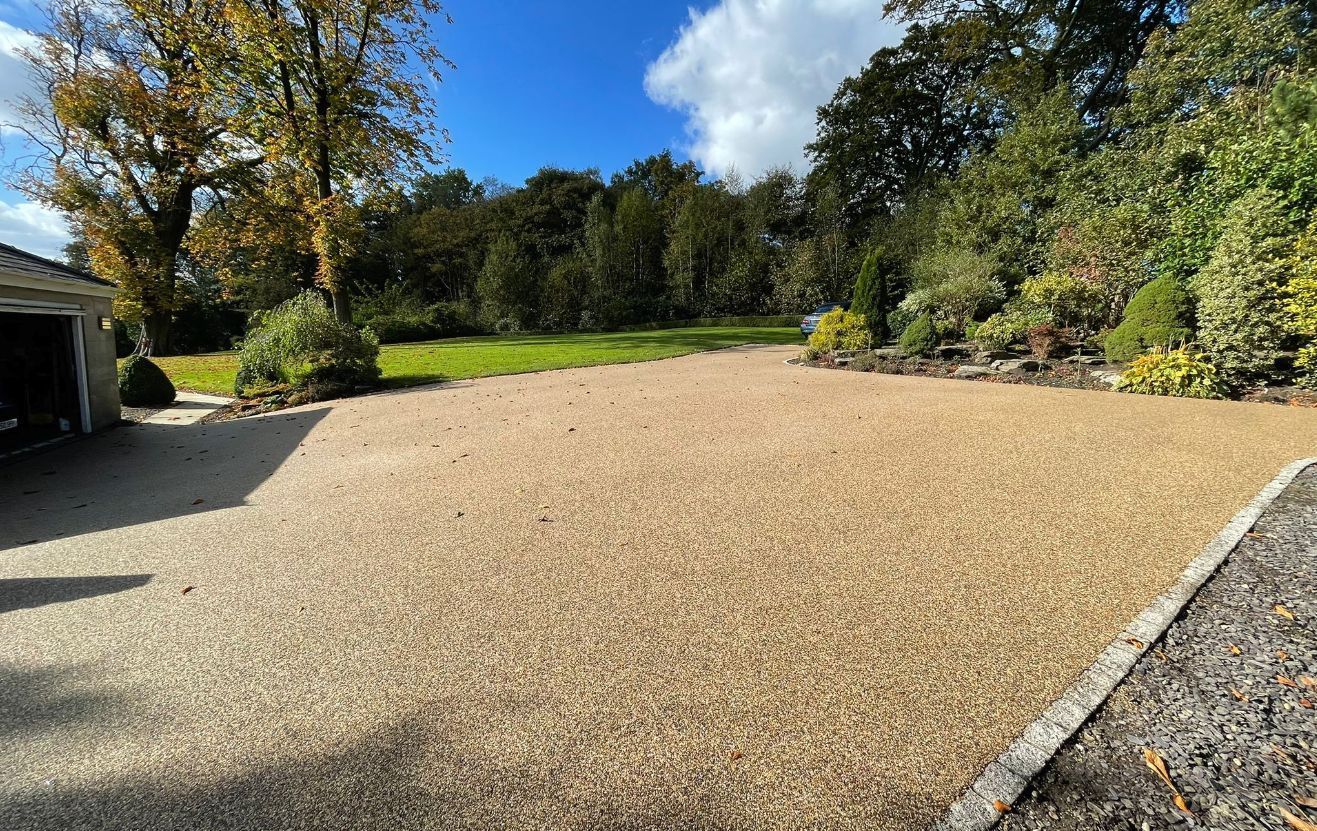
(1105, 376)
(889, 352)
(968, 371)
(986, 358)
(1086, 360)
(1019, 365)
(950, 353)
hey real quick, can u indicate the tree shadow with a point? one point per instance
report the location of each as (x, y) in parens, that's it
(144, 473)
(31, 592)
(402, 776)
(36, 700)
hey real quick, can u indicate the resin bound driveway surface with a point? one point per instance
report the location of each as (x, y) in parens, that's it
(713, 592)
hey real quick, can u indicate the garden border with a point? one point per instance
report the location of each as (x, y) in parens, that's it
(1007, 776)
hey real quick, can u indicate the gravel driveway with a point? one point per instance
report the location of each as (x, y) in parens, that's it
(712, 592)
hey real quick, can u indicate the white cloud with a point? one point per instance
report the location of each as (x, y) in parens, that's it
(33, 228)
(750, 73)
(15, 81)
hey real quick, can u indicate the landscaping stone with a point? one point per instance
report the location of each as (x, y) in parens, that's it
(1085, 360)
(1019, 365)
(968, 371)
(1106, 376)
(951, 353)
(989, 356)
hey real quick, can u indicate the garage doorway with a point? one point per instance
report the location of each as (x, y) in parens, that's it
(40, 383)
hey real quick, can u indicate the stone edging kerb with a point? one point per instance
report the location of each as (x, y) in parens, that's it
(1006, 778)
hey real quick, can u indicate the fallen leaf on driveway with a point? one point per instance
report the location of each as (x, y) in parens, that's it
(1308, 682)
(1255, 535)
(1307, 705)
(1002, 807)
(1297, 823)
(1305, 801)
(197, 501)
(1239, 696)
(737, 755)
(1134, 642)
(1282, 611)
(187, 589)
(1282, 655)
(1286, 682)
(1181, 804)
(1234, 650)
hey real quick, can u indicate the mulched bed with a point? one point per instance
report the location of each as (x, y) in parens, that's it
(1228, 700)
(1056, 373)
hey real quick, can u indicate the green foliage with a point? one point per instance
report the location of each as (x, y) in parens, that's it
(300, 342)
(1158, 315)
(920, 337)
(954, 284)
(1010, 325)
(871, 295)
(1172, 372)
(1240, 318)
(1068, 300)
(1301, 302)
(396, 315)
(143, 384)
(840, 329)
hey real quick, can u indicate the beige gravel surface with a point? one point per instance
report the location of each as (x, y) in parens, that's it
(714, 592)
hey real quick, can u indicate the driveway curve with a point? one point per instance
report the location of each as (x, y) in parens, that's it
(708, 592)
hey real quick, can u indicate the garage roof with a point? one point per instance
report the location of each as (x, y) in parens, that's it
(16, 261)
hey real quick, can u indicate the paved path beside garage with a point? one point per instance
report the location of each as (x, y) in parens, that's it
(714, 592)
(188, 408)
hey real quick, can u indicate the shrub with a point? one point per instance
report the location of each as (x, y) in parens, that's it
(867, 362)
(300, 342)
(870, 298)
(1157, 315)
(398, 316)
(840, 329)
(1046, 341)
(898, 319)
(920, 337)
(143, 384)
(1240, 319)
(1301, 303)
(1068, 300)
(954, 285)
(1010, 325)
(1172, 372)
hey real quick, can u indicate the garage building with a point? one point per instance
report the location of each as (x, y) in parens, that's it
(57, 369)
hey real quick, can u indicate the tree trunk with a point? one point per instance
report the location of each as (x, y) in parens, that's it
(342, 305)
(154, 337)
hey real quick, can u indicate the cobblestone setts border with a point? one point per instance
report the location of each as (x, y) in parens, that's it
(1006, 778)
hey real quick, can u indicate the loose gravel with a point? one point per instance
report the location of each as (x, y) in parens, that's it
(709, 592)
(1228, 700)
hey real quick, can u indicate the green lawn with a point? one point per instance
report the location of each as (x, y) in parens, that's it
(407, 364)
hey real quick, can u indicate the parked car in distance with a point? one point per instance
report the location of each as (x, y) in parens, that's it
(811, 321)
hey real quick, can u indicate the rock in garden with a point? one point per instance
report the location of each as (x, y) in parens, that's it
(974, 372)
(948, 353)
(1019, 365)
(1086, 360)
(1105, 376)
(986, 358)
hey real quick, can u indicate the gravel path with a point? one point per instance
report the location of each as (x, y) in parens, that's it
(1240, 744)
(710, 592)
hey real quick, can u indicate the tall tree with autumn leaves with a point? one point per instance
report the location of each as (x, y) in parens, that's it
(132, 137)
(335, 91)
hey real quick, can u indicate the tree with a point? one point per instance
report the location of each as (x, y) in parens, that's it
(506, 287)
(328, 87)
(871, 298)
(908, 117)
(132, 138)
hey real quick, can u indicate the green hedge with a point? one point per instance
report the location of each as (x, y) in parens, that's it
(143, 384)
(771, 320)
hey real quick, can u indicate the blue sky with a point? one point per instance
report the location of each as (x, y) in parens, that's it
(729, 83)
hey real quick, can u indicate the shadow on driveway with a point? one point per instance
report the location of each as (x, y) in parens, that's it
(144, 473)
(31, 592)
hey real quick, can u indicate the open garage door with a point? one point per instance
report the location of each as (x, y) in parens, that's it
(39, 380)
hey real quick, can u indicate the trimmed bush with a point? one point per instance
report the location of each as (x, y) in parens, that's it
(1172, 372)
(1158, 315)
(840, 329)
(1046, 341)
(143, 384)
(1010, 325)
(870, 299)
(299, 342)
(920, 337)
(1301, 303)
